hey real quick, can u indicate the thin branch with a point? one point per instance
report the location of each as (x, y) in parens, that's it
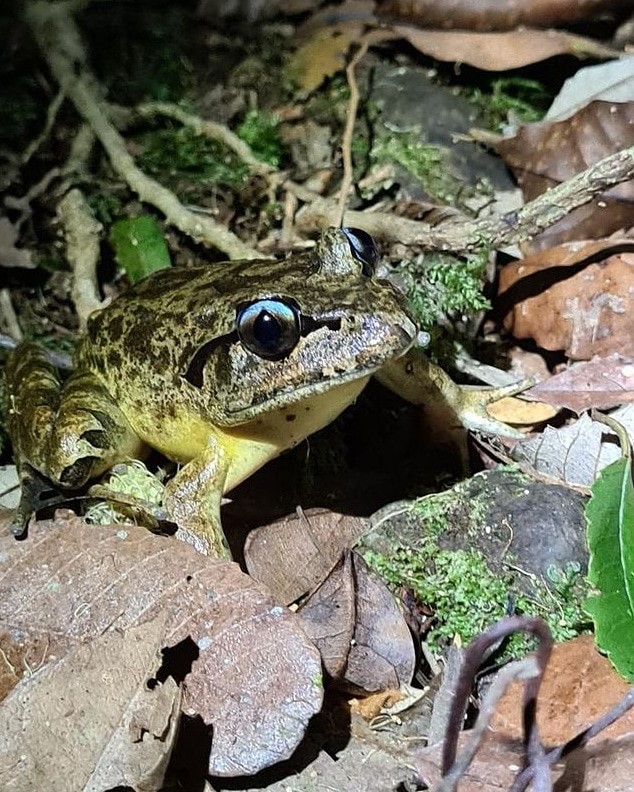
(472, 660)
(82, 251)
(521, 669)
(464, 236)
(60, 42)
(210, 129)
(10, 319)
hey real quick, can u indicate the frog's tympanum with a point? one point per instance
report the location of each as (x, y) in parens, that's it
(221, 368)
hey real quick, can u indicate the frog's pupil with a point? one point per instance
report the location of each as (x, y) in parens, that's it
(267, 330)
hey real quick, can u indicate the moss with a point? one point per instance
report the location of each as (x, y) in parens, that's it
(445, 286)
(259, 130)
(430, 165)
(465, 590)
(526, 100)
(178, 154)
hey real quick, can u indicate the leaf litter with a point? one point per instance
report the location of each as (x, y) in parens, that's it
(249, 669)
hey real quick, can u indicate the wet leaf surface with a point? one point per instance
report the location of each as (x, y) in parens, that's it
(247, 666)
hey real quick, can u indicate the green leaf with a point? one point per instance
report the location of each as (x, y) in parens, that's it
(139, 246)
(610, 518)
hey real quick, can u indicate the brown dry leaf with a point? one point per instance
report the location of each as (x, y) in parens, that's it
(579, 685)
(578, 297)
(251, 663)
(293, 555)
(518, 412)
(547, 153)
(329, 614)
(500, 51)
(71, 718)
(323, 55)
(356, 622)
(601, 383)
(369, 707)
(382, 654)
(487, 15)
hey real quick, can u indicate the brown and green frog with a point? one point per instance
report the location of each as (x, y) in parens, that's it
(222, 367)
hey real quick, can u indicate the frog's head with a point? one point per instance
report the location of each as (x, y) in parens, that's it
(299, 328)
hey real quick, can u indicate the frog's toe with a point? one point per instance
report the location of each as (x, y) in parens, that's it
(473, 411)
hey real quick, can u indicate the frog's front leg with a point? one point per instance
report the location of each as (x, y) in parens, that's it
(448, 405)
(68, 432)
(192, 500)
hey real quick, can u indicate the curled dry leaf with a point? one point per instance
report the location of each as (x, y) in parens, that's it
(602, 382)
(547, 153)
(609, 82)
(577, 297)
(495, 15)
(293, 555)
(356, 622)
(500, 51)
(254, 676)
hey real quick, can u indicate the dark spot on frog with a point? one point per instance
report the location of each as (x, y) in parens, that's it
(290, 417)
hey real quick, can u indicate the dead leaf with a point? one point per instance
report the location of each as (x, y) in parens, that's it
(358, 626)
(382, 653)
(71, 718)
(500, 51)
(247, 659)
(323, 55)
(608, 82)
(601, 383)
(293, 555)
(547, 153)
(368, 708)
(607, 766)
(10, 255)
(579, 685)
(575, 453)
(519, 412)
(478, 15)
(577, 297)
(329, 615)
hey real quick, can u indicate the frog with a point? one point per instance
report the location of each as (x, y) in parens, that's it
(221, 367)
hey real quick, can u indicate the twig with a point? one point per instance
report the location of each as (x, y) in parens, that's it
(348, 132)
(472, 659)
(82, 251)
(351, 116)
(464, 236)
(51, 115)
(521, 669)
(578, 741)
(53, 27)
(10, 319)
(211, 129)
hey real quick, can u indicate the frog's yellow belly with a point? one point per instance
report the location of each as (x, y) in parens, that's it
(251, 445)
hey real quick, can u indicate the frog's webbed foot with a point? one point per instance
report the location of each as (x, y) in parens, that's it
(447, 405)
(192, 501)
(471, 408)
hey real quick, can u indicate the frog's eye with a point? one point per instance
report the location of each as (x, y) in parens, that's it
(363, 248)
(269, 328)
